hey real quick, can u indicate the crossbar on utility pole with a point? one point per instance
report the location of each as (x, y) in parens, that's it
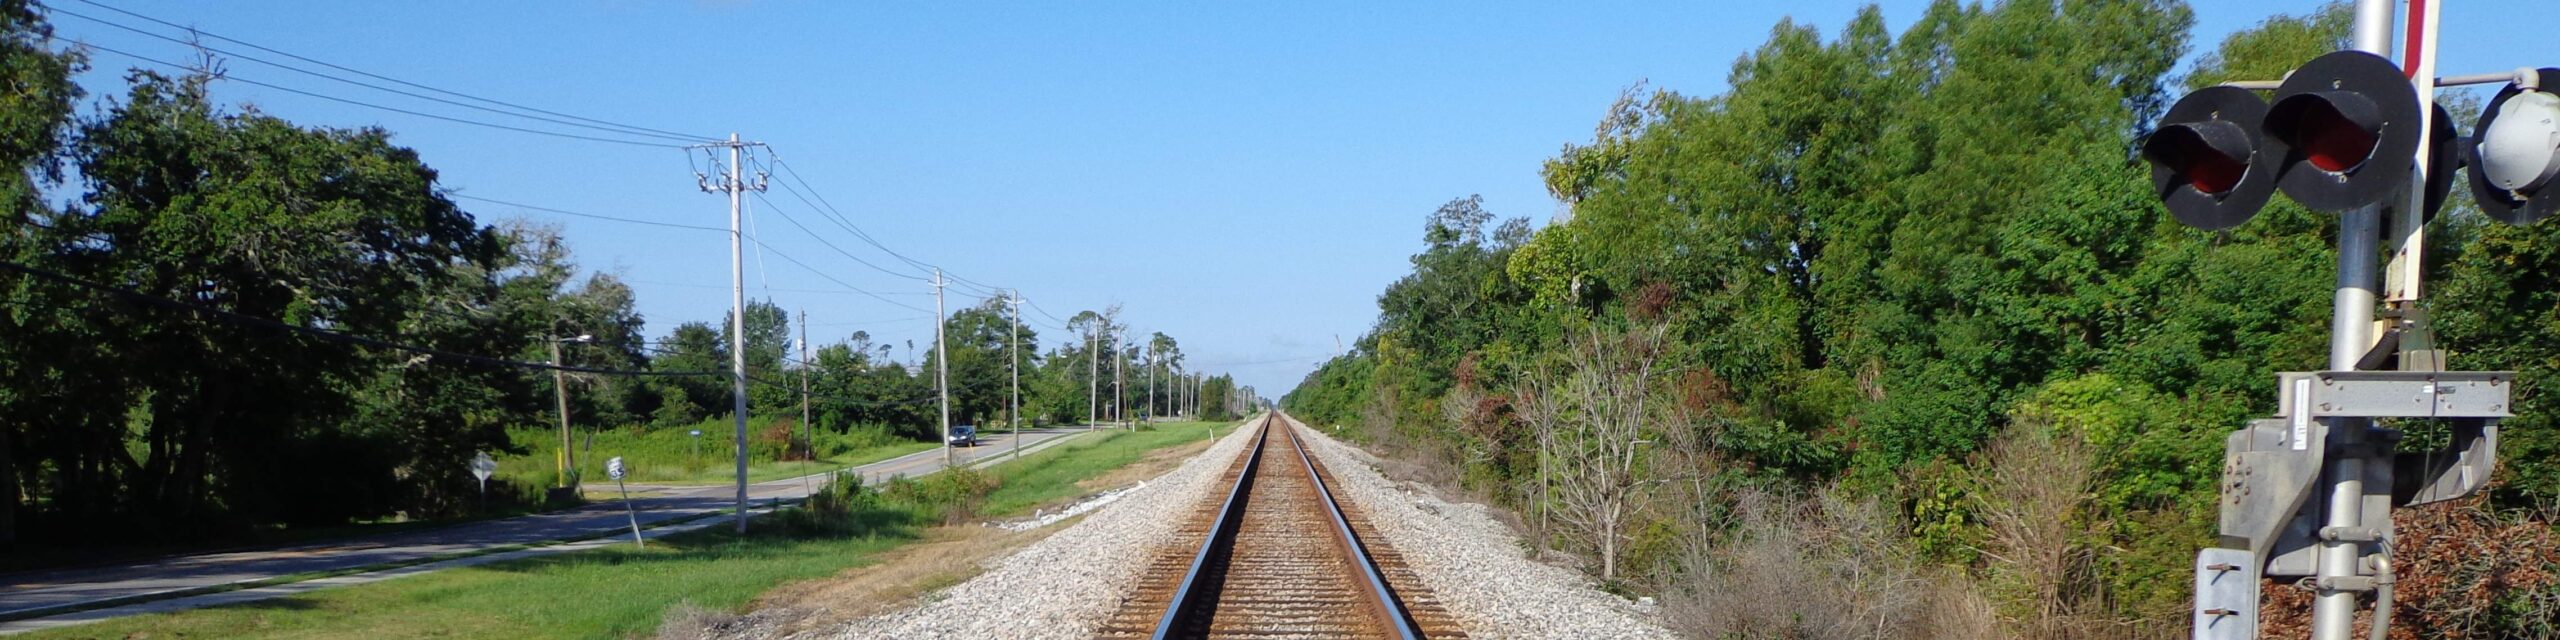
(735, 184)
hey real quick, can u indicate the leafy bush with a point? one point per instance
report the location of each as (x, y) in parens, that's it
(843, 506)
(952, 497)
(658, 454)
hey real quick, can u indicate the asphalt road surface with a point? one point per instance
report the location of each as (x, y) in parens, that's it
(29, 594)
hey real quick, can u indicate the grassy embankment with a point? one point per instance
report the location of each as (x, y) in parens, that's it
(622, 592)
(672, 455)
(654, 455)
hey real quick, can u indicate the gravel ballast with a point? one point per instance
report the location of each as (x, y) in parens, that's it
(1068, 584)
(1475, 564)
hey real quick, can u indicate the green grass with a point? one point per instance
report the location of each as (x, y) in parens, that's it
(623, 592)
(606, 593)
(760, 471)
(671, 455)
(1051, 475)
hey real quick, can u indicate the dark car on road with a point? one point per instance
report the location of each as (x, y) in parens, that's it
(964, 436)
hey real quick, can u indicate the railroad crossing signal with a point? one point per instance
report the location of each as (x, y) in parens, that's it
(2340, 133)
(2518, 153)
(2310, 492)
(2351, 121)
(2209, 163)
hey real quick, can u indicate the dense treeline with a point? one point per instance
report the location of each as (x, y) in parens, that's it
(183, 281)
(1892, 270)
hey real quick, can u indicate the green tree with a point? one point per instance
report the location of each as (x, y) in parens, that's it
(250, 215)
(38, 336)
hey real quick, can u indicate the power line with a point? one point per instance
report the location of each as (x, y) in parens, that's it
(1035, 306)
(828, 210)
(192, 30)
(322, 334)
(867, 323)
(1248, 364)
(822, 274)
(838, 215)
(566, 212)
(808, 194)
(797, 391)
(786, 217)
(360, 103)
(561, 121)
(688, 285)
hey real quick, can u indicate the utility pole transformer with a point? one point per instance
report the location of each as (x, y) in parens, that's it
(736, 185)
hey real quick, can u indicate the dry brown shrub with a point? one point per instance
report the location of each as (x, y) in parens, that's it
(1818, 567)
(2035, 487)
(2455, 561)
(1650, 300)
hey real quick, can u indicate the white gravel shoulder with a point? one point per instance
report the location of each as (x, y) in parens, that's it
(1476, 565)
(1066, 585)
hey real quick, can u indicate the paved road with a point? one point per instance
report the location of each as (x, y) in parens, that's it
(30, 593)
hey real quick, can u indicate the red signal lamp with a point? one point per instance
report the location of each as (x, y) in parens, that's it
(2209, 163)
(2351, 121)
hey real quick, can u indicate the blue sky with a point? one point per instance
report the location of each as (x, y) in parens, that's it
(1244, 177)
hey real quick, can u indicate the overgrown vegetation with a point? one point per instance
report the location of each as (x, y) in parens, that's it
(1052, 474)
(1897, 311)
(615, 592)
(680, 584)
(216, 323)
(674, 455)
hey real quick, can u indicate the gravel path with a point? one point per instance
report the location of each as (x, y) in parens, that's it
(1474, 563)
(1064, 586)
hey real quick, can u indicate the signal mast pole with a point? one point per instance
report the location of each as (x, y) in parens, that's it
(2333, 610)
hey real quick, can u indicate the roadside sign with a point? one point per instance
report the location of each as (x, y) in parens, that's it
(613, 467)
(481, 467)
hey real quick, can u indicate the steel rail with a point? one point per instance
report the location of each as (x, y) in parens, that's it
(1224, 529)
(1384, 603)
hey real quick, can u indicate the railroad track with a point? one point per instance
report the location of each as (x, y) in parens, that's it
(1280, 556)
